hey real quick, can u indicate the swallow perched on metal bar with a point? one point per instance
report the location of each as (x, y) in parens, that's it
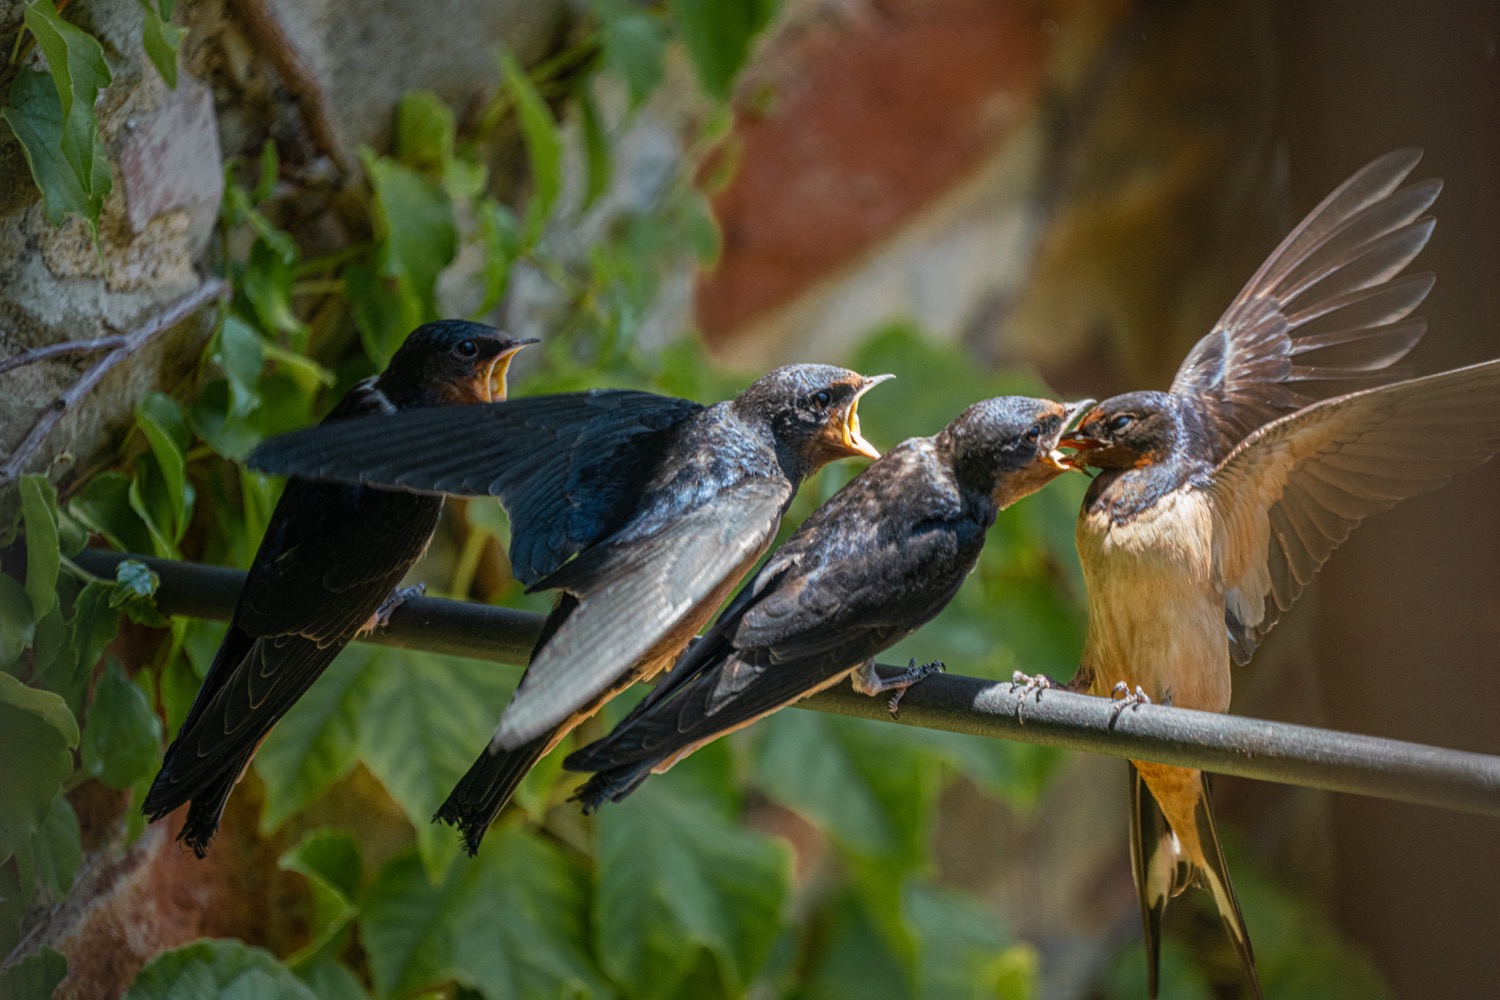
(327, 567)
(1219, 499)
(880, 559)
(643, 511)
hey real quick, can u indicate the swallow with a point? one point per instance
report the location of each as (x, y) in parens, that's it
(880, 559)
(327, 567)
(641, 511)
(1218, 499)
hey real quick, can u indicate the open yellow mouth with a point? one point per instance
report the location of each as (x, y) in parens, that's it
(853, 440)
(494, 384)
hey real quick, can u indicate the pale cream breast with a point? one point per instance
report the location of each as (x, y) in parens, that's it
(1156, 612)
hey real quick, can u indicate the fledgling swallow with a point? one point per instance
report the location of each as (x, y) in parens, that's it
(330, 560)
(643, 511)
(880, 559)
(1219, 499)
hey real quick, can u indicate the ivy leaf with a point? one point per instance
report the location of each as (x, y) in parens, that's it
(330, 861)
(37, 733)
(677, 877)
(104, 507)
(161, 39)
(55, 847)
(508, 923)
(331, 981)
(267, 284)
(635, 43)
(544, 150)
(871, 788)
(414, 223)
(317, 743)
(226, 970)
(54, 118)
(595, 148)
(35, 975)
(43, 553)
(718, 35)
(426, 718)
(17, 627)
(122, 740)
(160, 420)
(239, 353)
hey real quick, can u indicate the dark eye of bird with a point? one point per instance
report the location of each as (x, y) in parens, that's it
(466, 348)
(1034, 435)
(822, 398)
(1121, 422)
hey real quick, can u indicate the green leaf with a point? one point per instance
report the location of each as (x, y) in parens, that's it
(76, 61)
(161, 39)
(134, 593)
(595, 148)
(425, 720)
(718, 35)
(122, 740)
(961, 951)
(675, 878)
(34, 976)
(871, 787)
(331, 981)
(508, 923)
(43, 554)
(160, 420)
(224, 970)
(55, 847)
(414, 223)
(267, 284)
(37, 733)
(424, 132)
(851, 957)
(104, 506)
(330, 861)
(544, 149)
(635, 42)
(317, 743)
(17, 627)
(239, 352)
(501, 235)
(383, 311)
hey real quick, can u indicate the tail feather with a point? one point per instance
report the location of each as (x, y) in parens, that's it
(1165, 860)
(487, 786)
(611, 786)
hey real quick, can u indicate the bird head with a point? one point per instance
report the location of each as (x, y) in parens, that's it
(1125, 432)
(813, 411)
(1006, 447)
(451, 361)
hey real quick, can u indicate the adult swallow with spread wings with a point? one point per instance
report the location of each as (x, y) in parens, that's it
(328, 565)
(1219, 499)
(880, 559)
(643, 511)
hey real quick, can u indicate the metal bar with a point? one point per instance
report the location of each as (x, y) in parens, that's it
(1227, 744)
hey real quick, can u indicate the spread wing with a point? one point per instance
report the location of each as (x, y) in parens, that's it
(567, 468)
(1324, 308)
(633, 594)
(1294, 490)
(853, 581)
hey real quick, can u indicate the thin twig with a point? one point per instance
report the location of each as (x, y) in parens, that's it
(57, 350)
(1228, 744)
(129, 343)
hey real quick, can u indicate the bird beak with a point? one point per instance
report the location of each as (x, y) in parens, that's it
(853, 441)
(1056, 459)
(499, 367)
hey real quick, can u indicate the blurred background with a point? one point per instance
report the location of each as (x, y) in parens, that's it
(1051, 196)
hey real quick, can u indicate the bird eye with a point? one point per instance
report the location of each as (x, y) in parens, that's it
(466, 348)
(1121, 422)
(822, 399)
(1035, 434)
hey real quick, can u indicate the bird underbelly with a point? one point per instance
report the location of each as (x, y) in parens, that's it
(1156, 618)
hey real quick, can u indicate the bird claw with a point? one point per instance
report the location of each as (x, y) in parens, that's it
(397, 598)
(1125, 698)
(1022, 685)
(903, 682)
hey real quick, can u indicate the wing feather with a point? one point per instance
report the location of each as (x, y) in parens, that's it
(1291, 493)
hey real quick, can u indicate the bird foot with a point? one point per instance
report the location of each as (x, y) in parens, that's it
(903, 682)
(1022, 685)
(1125, 698)
(390, 604)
